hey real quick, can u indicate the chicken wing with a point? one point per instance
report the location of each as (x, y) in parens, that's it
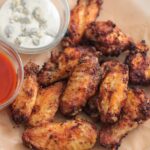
(139, 65)
(81, 86)
(46, 105)
(62, 66)
(71, 135)
(22, 106)
(113, 89)
(136, 110)
(85, 12)
(107, 38)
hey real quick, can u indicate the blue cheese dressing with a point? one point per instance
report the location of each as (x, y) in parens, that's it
(29, 23)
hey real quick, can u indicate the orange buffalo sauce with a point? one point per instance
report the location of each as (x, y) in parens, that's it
(8, 78)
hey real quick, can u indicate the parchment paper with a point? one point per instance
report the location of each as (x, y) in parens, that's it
(133, 17)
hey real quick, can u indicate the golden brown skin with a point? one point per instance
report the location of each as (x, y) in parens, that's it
(22, 106)
(136, 110)
(46, 105)
(61, 66)
(113, 89)
(139, 68)
(71, 135)
(139, 65)
(111, 136)
(140, 47)
(85, 12)
(107, 38)
(81, 86)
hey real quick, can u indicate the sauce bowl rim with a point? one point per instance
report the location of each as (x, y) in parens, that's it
(11, 50)
(50, 46)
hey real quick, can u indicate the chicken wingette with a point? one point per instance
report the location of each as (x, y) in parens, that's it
(135, 112)
(139, 65)
(46, 105)
(85, 12)
(81, 86)
(107, 38)
(71, 135)
(22, 107)
(113, 90)
(60, 67)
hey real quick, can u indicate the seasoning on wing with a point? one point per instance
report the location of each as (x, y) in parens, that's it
(71, 135)
(22, 107)
(140, 47)
(81, 86)
(107, 38)
(61, 67)
(113, 89)
(46, 105)
(136, 111)
(139, 65)
(85, 12)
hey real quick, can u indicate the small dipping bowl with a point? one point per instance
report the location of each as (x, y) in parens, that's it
(63, 9)
(11, 54)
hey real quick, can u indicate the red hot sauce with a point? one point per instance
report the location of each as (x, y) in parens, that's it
(8, 78)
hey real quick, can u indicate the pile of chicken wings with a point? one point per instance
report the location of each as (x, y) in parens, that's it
(82, 78)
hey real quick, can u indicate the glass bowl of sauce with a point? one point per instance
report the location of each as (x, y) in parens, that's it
(34, 26)
(11, 74)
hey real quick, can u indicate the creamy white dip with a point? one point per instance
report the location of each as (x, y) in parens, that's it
(29, 23)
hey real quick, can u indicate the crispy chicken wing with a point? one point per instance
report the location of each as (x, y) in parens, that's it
(136, 110)
(60, 67)
(46, 105)
(81, 86)
(139, 65)
(22, 107)
(85, 12)
(107, 38)
(71, 135)
(112, 92)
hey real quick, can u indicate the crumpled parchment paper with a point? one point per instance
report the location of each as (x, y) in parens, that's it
(133, 17)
